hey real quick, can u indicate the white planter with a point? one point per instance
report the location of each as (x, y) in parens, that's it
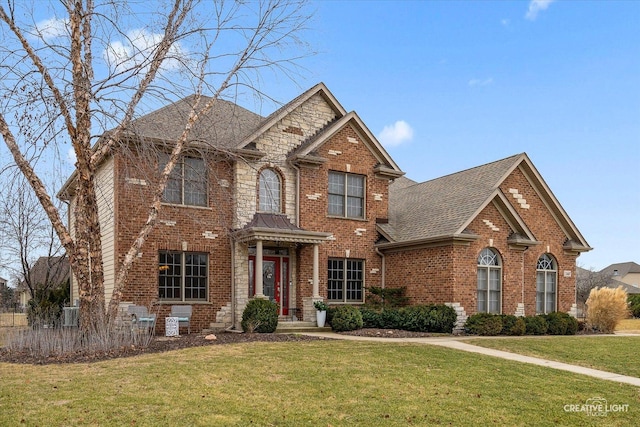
(321, 317)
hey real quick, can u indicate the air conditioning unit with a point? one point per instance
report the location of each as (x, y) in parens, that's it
(70, 316)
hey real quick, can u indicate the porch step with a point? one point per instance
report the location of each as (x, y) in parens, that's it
(299, 326)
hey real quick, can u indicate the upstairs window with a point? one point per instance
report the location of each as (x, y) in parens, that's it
(546, 284)
(187, 184)
(270, 191)
(489, 282)
(346, 195)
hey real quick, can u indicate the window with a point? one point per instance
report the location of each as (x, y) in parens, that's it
(187, 184)
(346, 195)
(270, 191)
(183, 276)
(345, 281)
(546, 284)
(489, 282)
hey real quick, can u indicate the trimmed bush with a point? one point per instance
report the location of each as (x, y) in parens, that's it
(535, 325)
(634, 304)
(559, 323)
(391, 318)
(429, 318)
(370, 317)
(606, 307)
(512, 325)
(484, 324)
(260, 315)
(346, 318)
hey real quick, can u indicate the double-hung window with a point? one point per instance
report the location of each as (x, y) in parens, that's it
(183, 276)
(346, 195)
(546, 284)
(345, 280)
(187, 184)
(489, 282)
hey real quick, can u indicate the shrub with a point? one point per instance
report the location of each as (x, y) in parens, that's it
(634, 304)
(512, 325)
(370, 317)
(535, 325)
(346, 318)
(559, 323)
(391, 318)
(572, 325)
(606, 307)
(484, 324)
(429, 318)
(260, 315)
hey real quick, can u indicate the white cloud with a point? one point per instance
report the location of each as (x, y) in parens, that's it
(481, 82)
(505, 22)
(536, 6)
(53, 28)
(396, 134)
(137, 49)
(71, 156)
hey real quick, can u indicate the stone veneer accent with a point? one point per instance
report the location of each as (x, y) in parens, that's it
(461, 317)
(277, 143)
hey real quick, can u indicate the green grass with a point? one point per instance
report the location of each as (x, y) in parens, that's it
(338, 383)
(608, 353)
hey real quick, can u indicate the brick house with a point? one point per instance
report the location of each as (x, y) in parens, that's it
(308, 198)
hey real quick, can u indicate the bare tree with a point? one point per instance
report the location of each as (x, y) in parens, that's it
(82, 77)
(28, 239)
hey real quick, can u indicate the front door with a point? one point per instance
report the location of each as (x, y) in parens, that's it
(275, 280)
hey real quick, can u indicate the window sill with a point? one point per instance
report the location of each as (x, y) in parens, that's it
(175, 205)
(348, 218)
(177, 302)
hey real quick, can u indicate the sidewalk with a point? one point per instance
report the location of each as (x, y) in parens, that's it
(457, 343)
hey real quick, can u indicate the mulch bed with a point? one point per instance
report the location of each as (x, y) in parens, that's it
(162, 344)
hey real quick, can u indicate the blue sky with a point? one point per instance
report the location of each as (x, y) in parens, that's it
(475, 81)
(449, 85)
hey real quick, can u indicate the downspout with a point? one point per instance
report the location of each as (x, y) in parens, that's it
(382, 267)
(233, 286)
(522, 279)
(297, 169)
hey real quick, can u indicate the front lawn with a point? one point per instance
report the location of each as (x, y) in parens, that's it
(306, 383)
(608, 353)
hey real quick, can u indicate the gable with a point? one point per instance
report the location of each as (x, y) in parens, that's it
(307, 151)
(443, 208)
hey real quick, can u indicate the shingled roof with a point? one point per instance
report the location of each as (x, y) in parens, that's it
(224, 126)
(442, 206)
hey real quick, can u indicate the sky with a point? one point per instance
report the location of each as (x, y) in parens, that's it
(450, 85)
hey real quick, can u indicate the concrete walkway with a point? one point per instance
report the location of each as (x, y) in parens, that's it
(457, 343)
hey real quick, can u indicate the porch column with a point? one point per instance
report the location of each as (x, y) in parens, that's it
(316, 287)
(258, 273)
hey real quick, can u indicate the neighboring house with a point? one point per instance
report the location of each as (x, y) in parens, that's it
(626, 272)
(306, 204)
(46, 272)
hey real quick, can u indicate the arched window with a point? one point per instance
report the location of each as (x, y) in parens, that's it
(546, 284)
(489, 282)
(270, 190)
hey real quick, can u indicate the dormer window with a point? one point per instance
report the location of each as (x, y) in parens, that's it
(270, 191)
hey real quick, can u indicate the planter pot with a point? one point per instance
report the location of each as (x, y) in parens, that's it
(321, 317)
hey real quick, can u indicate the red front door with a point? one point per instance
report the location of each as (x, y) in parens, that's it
(275, 280)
